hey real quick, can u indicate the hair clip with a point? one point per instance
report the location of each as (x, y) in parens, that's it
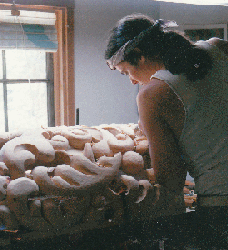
(196, 66)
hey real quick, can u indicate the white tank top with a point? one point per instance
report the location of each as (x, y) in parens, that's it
(204, 139)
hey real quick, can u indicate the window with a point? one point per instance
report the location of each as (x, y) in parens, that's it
(26, 90)
(204, 32)
(52, 75)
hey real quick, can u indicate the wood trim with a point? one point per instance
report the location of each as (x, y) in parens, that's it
(70, 68)
(64, 69)
(58, 69)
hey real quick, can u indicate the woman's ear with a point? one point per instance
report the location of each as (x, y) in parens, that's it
(142, 59)
(136, 56)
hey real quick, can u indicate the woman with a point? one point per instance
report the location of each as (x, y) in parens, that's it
(183, 107)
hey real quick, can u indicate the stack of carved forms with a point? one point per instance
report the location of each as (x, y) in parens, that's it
(78, 178)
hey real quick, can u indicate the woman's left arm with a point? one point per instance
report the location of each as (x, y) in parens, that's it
(154, 104)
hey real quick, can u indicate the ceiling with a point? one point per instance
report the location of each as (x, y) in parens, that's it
(197, 2)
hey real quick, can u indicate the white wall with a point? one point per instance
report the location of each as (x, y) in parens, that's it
(102, 95)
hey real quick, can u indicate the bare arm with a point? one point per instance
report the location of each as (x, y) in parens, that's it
(153, 104)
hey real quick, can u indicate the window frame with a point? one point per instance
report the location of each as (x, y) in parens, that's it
(205, 27)
(63, 62)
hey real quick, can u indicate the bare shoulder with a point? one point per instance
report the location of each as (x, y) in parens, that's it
(158, 100)
(156, 92)
(153, 89)
(221, 44)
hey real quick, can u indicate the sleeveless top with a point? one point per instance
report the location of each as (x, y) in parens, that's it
(204, 139)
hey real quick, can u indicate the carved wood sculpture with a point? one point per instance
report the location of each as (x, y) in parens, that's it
(73, 178)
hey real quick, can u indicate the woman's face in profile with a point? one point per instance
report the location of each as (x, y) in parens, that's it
(141, 73)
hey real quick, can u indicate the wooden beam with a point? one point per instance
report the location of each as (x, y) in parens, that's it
(64, 71)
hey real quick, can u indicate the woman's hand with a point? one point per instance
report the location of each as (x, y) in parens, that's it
(140, 125)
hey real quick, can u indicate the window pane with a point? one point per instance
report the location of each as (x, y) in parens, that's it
(204, 34)
(25, 64)
(2, 114)
(27, 105)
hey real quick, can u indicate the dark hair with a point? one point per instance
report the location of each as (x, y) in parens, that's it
(178, 54)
